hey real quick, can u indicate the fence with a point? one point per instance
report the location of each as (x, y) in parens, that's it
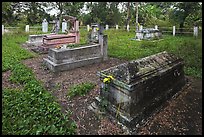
(173, 30)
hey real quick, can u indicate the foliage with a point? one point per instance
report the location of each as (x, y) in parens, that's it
(30, 110)
(184, 9)
(12, 53)
(80, 89)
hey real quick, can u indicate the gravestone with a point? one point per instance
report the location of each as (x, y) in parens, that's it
(94, 34)
(27, 28)
(116, 26)
(64, 25)
(140, 87)
(44, 26)
(106, 27)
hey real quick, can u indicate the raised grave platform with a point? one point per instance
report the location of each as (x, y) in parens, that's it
(141, 86)
(70, 58)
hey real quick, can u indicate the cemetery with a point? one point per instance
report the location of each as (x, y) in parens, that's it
(100, 77)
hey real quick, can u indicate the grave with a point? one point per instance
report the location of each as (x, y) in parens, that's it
(43, 42)
(66, 58)
(50, 41)
(148, 34)
(35, 40)
(140, 87)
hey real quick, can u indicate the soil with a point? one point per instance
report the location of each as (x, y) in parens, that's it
(181, 115)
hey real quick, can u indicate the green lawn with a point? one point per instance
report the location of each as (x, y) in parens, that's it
(32, 110)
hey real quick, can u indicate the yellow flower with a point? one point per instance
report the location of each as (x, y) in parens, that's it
(97, 28)
(108, 79)
(105, 80)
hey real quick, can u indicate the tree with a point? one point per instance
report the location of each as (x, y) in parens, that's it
(184, 9)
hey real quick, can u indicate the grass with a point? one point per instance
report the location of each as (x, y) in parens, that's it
(80, 89)
(31, 110)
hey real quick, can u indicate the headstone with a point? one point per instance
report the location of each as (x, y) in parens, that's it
(106, 27)
(45, 26)
(128, 27)
(174, 30)
(156, 27)
(88, 27)
(94, 35)
(64, 25)
(2, 29)
(116, 26)
(141, 27)
(27, 28)
(195, 31)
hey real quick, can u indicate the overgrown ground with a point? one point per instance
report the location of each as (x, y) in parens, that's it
(35, 100)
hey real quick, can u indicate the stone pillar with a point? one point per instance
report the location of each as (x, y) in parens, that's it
(64, 25)
(44, 26)
(103, 41)
(77, 31)
(156, 27)
(2, 29)
(116, 26)
(77, 25)
(128, 27)
(88, 27)
(27, 28)
(141, 27)
(106, 27)
(174, 30)
(195, 31)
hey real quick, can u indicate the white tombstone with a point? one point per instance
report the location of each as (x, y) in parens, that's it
(27, 28)
(116, 26)
(88, 27)
(141, 27)
(106, 27)
(128, 27)
(2, 29)
(45, 26)
(195, 31)
(64, 25)
(156, 27)
(174, 30)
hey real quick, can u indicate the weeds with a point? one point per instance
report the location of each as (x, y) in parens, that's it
(80, 89)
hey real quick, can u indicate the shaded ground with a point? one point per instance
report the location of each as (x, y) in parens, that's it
(182, 115)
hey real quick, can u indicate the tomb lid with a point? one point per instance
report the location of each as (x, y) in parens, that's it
(53, 36)
(137, 69)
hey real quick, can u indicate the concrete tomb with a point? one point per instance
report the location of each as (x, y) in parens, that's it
(67, 58)
(140, 87)
(148, 34)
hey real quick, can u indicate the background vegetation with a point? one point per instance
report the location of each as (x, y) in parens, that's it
(181, 14)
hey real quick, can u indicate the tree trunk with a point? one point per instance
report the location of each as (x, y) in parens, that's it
(136, 8)
(128, 13)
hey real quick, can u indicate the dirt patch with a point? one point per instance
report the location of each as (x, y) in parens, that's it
(182, 115)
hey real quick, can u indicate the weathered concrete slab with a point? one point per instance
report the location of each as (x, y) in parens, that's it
(141, 86)
(69, 58)
(35, 40)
